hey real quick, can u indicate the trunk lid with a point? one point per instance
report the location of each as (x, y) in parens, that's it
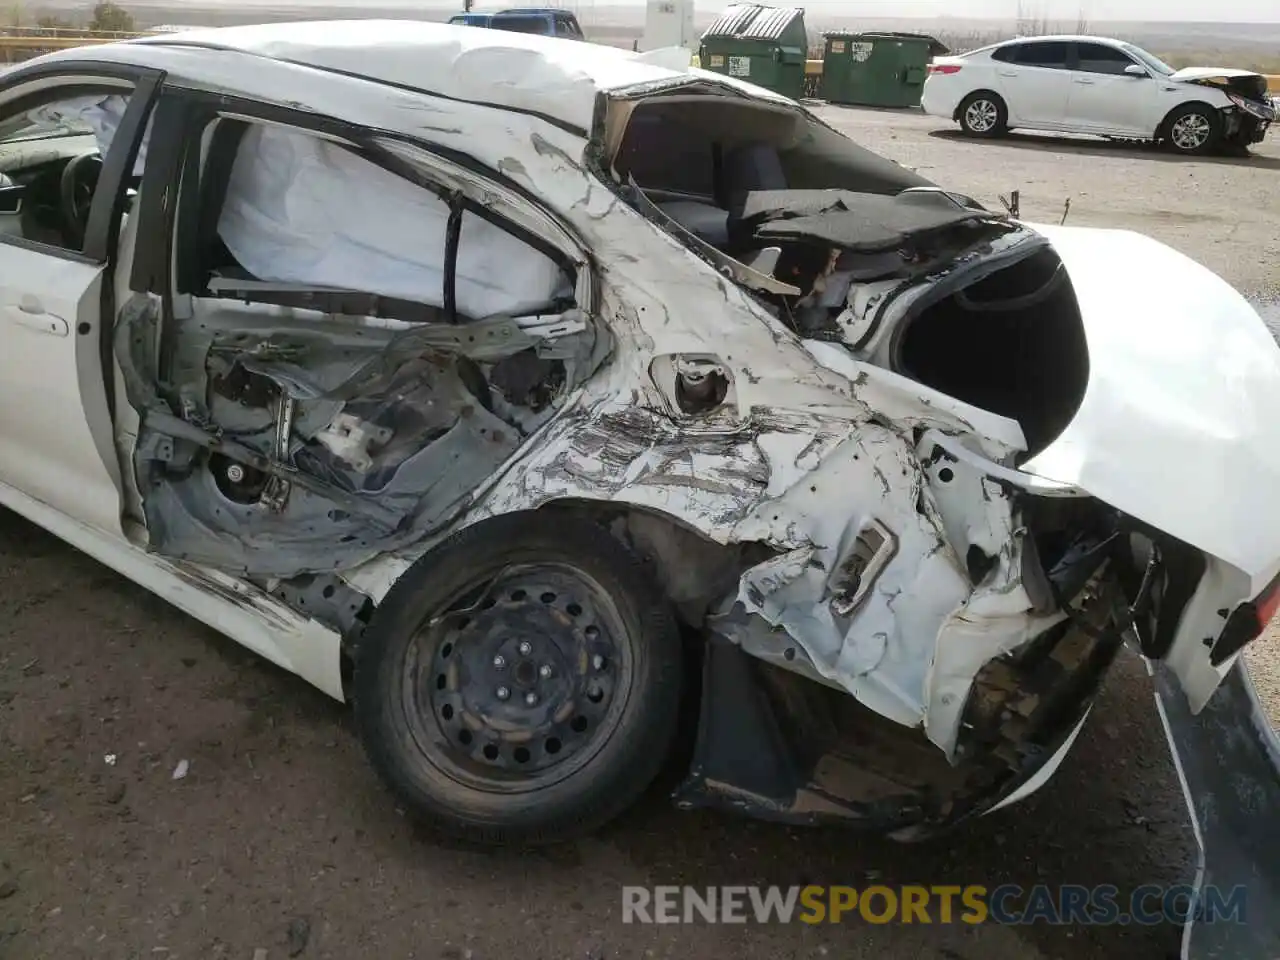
(1178, 425)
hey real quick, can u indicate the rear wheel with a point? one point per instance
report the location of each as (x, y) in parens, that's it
(1193, 128)
(521, 682)
(983, 114)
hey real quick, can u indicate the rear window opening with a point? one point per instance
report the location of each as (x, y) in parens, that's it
(769, 194)
(697, 156)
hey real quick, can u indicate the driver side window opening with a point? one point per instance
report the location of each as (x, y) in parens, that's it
(52, 145)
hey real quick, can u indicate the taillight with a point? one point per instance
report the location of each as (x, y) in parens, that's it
(944, 68)
(1246, 622)
(1268, 604)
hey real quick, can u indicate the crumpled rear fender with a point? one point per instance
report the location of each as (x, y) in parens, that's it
(947, 598)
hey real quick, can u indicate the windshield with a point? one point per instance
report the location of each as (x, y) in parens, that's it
(1152, 61)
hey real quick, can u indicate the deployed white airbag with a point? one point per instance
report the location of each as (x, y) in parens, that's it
(99, 114)
(304, 210)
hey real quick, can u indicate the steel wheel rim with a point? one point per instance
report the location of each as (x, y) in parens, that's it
(1191, 132)
(560, 638)
(981, 116)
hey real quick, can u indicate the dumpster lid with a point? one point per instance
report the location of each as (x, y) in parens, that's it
(753, 21)
(936, 47)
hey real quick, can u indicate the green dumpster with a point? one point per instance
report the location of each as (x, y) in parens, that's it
(881, 69)
(762, 45)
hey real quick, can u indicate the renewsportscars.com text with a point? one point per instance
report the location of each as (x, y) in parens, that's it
(968, 904)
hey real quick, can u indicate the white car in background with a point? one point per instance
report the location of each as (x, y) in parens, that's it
(1095, 85)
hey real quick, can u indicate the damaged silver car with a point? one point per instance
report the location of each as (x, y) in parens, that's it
(526, 392)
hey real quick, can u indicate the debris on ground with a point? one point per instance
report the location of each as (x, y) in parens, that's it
(7, 889)
(298, 935)
(181, 769)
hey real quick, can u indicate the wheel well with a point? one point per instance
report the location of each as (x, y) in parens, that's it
(693, 570)
(1163, 130)
(969, 96)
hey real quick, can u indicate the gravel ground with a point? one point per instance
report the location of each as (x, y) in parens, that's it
(279, 840)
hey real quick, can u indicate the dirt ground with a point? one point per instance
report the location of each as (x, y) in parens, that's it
(278, 839)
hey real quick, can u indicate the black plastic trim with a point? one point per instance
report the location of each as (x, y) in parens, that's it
(1242, 628)
(452, 240)
(103, 228)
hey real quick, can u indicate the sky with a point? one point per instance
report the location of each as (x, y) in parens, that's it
(1238, 11)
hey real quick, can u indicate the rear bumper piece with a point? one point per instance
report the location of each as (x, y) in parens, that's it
(1228, 760)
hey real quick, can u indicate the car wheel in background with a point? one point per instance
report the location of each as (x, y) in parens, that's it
(983, 114)
(521, 682)
(1193, 128)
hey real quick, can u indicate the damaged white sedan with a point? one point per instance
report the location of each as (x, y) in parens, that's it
(523, 392)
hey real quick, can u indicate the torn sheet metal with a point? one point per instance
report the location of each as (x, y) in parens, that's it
(420, 394)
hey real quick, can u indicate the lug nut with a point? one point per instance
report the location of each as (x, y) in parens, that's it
(531, 699)
(544, 671)
(525, 648)
(503, 693)
(499, 661)
(597, 662)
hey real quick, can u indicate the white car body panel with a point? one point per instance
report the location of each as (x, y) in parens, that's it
(516, 71)
(49, 318)
(823, 463)
(253, 619)
(1119, 106)
(1036, 97)
(1184, 383)
(1210, 73)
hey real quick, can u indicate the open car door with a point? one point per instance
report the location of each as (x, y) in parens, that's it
(68, 195)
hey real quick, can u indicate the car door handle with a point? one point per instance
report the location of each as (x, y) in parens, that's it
(1006, 73)
(30, 313)
(1084, 80)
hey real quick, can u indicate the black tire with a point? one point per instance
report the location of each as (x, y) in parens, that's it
(983, 114)
(1198, 118)
(586, 595)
